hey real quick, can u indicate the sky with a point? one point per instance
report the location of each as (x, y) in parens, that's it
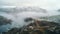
(46, 4)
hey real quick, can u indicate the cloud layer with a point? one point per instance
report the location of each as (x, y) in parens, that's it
(46, 4)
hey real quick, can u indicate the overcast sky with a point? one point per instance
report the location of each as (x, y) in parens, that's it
(47, 4)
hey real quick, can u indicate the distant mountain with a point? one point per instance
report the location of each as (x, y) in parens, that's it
(52, 18)
(22, 9)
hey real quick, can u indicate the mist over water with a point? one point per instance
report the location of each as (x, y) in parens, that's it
(18, 17)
